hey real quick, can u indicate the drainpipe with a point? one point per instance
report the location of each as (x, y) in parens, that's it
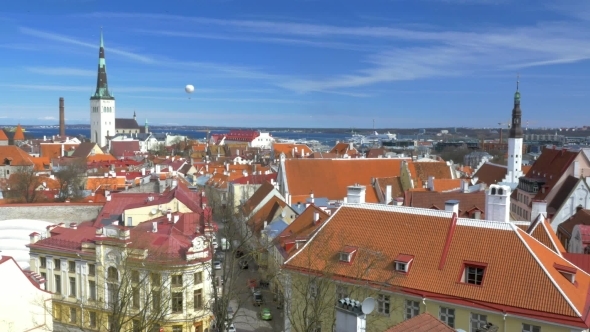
(424, 302)
(505, 314)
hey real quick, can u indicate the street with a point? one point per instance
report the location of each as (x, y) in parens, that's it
(247, 318)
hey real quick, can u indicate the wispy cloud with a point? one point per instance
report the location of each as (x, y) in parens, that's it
(230, 100)
(47, 118)
(73, 41)
(61, 71)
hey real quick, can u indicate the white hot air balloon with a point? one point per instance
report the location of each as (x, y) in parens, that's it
(189, 89)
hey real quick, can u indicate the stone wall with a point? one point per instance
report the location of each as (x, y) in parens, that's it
(54, 212)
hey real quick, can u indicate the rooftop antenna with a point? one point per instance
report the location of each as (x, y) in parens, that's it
(517, 80)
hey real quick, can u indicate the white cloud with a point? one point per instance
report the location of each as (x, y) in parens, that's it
(61, 71)
(73, 41)
(47, 118)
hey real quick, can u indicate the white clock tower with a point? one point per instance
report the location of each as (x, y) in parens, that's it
(102, 105)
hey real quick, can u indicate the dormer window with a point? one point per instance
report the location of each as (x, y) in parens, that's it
(567, 271)
(402, 263)
(347, 253)
(473, 274)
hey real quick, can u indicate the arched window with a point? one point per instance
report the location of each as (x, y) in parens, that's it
(500, 191)
(112, 273)
(493, 191)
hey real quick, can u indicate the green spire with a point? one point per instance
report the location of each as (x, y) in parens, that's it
(101, 41)
(517, 93)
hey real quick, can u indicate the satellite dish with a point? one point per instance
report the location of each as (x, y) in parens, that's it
(189, 89)
(368, 305)
(284, 214)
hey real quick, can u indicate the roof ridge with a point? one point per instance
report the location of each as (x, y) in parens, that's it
(567, 299)
(543, 224)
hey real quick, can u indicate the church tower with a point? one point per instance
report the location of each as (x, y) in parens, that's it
(102, 104)
(514, 169)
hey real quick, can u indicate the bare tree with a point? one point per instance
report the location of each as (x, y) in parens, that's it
(23, 185)
(312, 293)
(70, 178)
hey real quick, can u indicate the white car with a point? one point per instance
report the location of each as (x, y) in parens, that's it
(217, 265)
(214, 243)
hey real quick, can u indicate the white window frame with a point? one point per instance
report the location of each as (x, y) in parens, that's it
(530, 328)
(383, 304)
(480, 319)
(412, 309)
(401, 266)
(345, 257)
(445, 313)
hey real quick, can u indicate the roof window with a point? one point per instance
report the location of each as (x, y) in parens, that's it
(567, 271)
(473, 273)
(402, 263)
(347, 253)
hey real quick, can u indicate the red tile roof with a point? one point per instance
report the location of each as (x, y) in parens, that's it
(301, 228)
(3, 136)
(550, 166)
(18, 134)
(424, 322)
(291, 150)
(468, 202)
(256, 179)
(520, 276)
(119, 148)
(15, 155)
(490, 173)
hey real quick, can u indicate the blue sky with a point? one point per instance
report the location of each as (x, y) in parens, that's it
(300, 63)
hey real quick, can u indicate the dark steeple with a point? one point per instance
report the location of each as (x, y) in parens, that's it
(515, 127)
(102, 87)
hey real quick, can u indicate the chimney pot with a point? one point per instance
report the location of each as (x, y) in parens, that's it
(154, 226)
(316, 217)
(452, 205)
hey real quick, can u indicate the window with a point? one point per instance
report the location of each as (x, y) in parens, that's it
(155, 279)
(383, 304)
(112, 274)
(198, 278)
(478, 321)
(72, 267)
(313, 289)
(401, 266)
(198, 299)
(177, 328)
(44, 275)
(136, 297)
(176, 280)
(112, 295)
(57, 284)
(473, 274)
(73, 317)
(447, 315)
(412, 308)
(345, 257)
(72, 287)
(156, 300)
(92, 319)
(530, 328)
(135, 276)
(56, 264)
(43, 262)
(341, 292)
(91, 290)
(91, 269)
(177, 302)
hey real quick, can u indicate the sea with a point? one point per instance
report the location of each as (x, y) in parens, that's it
(323, 138)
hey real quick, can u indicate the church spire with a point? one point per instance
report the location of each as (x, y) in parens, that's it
(102, 87)
(515, 127)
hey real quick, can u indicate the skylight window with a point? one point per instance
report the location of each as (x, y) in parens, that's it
(473, 274)
(347, 253)
(345, 257)
(402, 263)
(568, 272)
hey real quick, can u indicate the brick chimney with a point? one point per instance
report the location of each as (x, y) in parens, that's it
(62, 118)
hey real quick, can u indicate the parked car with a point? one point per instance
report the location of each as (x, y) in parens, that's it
(214, 243)
(257, 298)
(217, 265)
(265, 314)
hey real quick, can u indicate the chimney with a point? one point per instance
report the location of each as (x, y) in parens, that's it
(73, 225)
(176, 218)
(62, 149)
(538, 207)
(62, 119)
(498, 203)
(356, 194)
(311, 197)
(158, 169)
(316, 217)
(143, 171)
(34, 237)
(169, 216)
(154, 226)
(465, 186)
(388, 197)
(452, 205)
(430, 183)
(44, 138)
(265, 224)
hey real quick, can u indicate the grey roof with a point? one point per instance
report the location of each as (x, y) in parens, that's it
(126, 124)
(83, 150)
(276, 227)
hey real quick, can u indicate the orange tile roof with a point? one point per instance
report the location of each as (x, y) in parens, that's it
(110, 183)
(18, 134)
(289, 150)
(100, 157)
(442, 185)
(53, 150)
(395, 182)
(41, 163)
(331, 177)
(468, 202)
(302, 227)
(424, 322)
(490, 173)
(3, 136)
(541, 230)
(265, 214)
(422, 170)
(16, 155)
(259, 195)
(342, 149)
(520, 273)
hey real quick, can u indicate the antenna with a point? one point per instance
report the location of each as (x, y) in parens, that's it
(368, 305)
